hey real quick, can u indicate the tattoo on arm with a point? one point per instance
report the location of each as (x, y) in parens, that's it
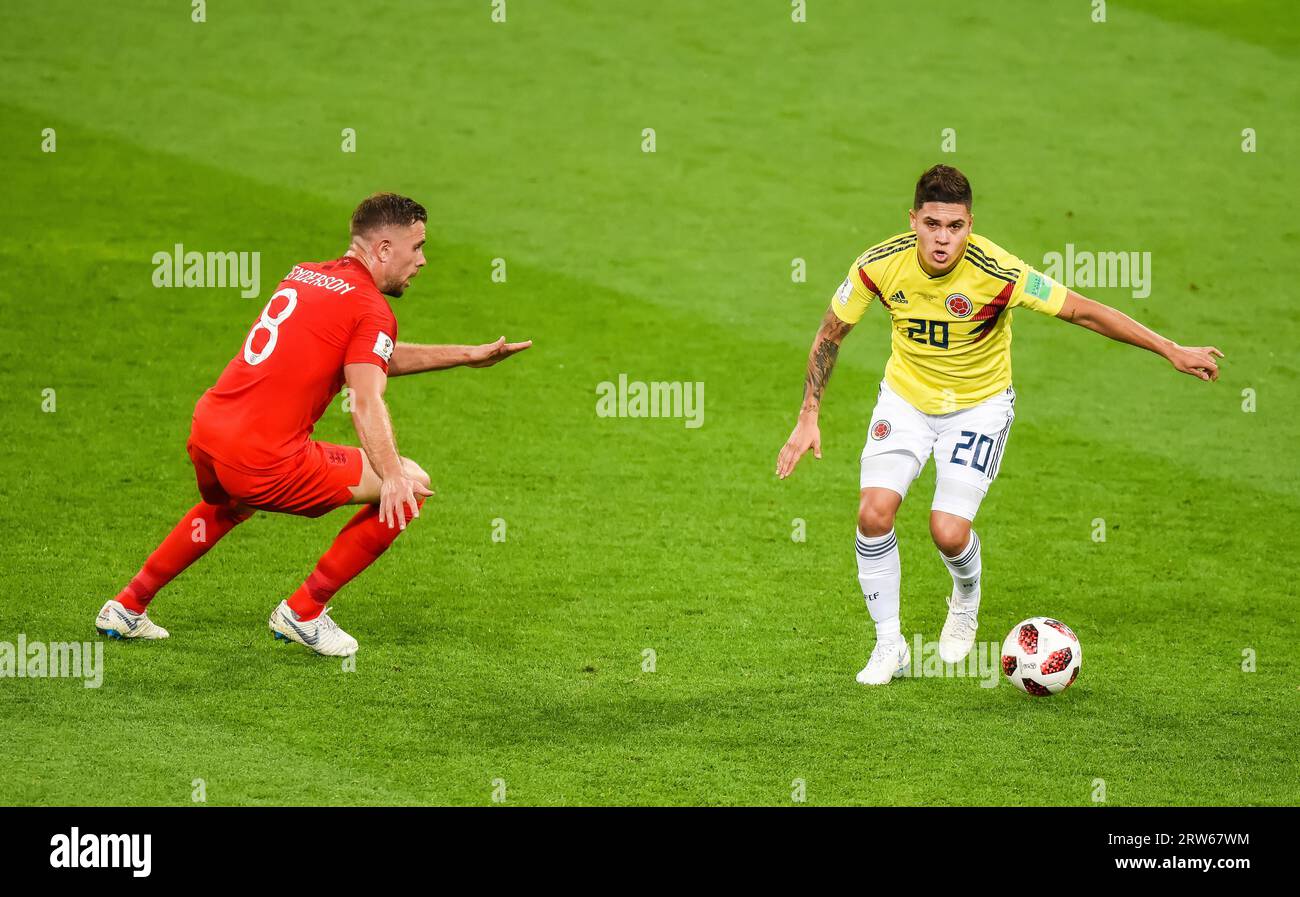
(819, 372)
(821, 360)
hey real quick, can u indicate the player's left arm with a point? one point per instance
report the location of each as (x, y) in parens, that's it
(1110, 322)
(415, 358)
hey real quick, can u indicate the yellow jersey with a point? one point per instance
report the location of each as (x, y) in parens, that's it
(951, 345)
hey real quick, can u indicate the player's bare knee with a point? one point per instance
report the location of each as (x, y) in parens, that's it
(875, 517)
(950, 533)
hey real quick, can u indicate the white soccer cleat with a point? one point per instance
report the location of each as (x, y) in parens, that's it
(958, 633)
(116, 621)
(322, 634)
(889, 660)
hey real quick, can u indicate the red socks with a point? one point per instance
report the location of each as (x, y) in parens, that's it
(357, 546)
(198, 531)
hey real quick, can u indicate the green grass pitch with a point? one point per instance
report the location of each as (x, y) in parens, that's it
(521, 661)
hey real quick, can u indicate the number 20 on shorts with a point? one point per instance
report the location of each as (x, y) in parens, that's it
(979, 458)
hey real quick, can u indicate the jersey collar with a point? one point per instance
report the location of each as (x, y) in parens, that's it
(361, 270)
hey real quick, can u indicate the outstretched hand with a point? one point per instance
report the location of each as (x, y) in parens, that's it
(1196, 360)
(488, 354)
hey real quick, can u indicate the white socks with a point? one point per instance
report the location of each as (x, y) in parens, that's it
(880, 572)
(965, 570)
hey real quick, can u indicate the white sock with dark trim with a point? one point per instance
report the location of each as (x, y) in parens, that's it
(965, 570)
(880, 573)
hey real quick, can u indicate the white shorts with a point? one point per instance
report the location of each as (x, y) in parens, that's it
(967, 446)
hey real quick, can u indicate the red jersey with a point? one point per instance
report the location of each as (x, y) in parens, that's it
(323, 315)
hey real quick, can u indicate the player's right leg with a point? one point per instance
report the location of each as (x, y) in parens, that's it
(899, 440)
(880, 575)
(304, 616)
(126, 616)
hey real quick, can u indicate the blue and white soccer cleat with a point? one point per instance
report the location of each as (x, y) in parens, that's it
(115, 621)
(322, 634)
(889, 660)
(959, 629)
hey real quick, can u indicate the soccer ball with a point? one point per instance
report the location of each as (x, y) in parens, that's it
(1041, 656)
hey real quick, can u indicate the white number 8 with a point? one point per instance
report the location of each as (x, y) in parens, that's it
(272, 326)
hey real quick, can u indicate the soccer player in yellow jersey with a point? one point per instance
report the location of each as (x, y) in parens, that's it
(949, 294)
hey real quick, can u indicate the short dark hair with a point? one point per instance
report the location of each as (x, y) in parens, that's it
(942, 183)
(386, 210)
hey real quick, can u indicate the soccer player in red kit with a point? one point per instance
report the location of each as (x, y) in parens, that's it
(327, 324)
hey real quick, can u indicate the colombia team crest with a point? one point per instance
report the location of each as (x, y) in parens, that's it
(959, 306)
(880, 429)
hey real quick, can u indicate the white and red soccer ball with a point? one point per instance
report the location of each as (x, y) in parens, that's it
(1041, 656)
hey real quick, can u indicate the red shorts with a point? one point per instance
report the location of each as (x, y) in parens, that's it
(314, 482)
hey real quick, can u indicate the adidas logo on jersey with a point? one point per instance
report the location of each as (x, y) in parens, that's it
(898, 298)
